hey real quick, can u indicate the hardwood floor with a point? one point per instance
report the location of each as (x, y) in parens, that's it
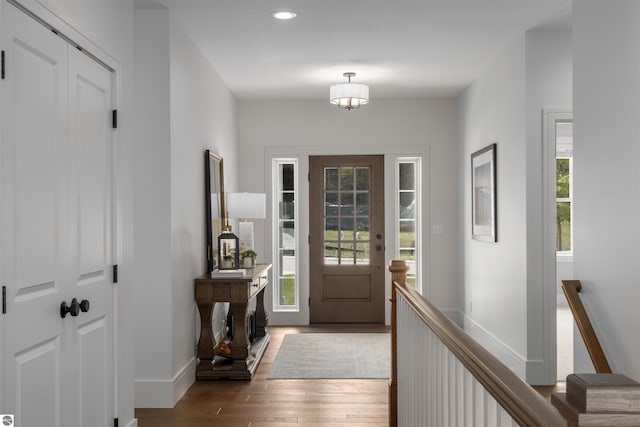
(269, 403)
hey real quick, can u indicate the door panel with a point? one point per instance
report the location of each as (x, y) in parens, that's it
(91, 141)
(347, 239)
(346, 288)
(38, 400)
(56, 223)
(34, 160)
(93, 384)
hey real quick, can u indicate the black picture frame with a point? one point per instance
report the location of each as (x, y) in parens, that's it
(484, 203)
(215, 204)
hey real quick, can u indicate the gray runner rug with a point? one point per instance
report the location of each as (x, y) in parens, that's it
(333, 356)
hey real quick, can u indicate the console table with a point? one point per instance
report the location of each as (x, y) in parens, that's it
(246, 298)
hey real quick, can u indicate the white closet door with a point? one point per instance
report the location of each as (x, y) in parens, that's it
(55, 172)
(90, 353)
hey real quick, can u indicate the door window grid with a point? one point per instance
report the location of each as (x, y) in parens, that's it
(347, 219)
(285, 227)
(407, 214)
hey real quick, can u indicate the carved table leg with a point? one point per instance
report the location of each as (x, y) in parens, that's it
(206, 342)
(240, 344)
(261, 315)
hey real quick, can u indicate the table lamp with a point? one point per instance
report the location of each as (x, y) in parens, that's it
(245, 207)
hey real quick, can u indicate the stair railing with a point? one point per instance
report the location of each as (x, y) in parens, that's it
(440, 376)
(571, 289)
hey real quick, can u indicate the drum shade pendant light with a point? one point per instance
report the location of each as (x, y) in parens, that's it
(349, 95)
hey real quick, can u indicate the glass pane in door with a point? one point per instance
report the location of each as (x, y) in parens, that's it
(346, 216)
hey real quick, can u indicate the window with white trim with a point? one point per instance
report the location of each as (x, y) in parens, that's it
(564, 188)
(564, 205)
(408, 223)
(285, 231)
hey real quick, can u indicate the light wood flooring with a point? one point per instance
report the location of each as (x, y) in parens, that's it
(269, 403)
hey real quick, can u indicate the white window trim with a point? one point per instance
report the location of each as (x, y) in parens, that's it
(417, 161)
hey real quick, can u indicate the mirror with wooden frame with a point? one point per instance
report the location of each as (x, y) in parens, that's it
(214, 204)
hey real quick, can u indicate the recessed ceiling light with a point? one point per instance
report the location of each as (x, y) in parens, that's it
(284, 15)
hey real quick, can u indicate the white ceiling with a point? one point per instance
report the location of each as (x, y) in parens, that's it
(401, 48)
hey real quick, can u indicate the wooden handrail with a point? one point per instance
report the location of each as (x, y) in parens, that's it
(526, 406)
(571, 288)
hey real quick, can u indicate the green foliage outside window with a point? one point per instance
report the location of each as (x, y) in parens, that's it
(563, 204)
(288, 290)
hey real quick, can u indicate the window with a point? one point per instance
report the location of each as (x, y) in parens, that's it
(408, 224)
(346, 198)
(564, 205)
(564, 187)
(285, 227)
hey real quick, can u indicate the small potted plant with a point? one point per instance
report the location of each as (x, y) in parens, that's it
(248, 258)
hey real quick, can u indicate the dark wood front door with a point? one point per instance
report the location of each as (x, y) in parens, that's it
(347, 239)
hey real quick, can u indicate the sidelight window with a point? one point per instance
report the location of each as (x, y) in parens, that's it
(408, 214)
(286, 224)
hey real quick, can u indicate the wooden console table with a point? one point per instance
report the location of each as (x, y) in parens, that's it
(240, 293)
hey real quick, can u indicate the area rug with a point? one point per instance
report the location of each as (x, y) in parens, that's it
(332, 356)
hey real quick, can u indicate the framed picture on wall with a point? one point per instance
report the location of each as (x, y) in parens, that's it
(483, 195)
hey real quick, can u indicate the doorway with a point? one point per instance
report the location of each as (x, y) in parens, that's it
(346, 227)
(559, 147)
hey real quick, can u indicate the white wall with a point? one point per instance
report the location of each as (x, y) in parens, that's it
(495, 275)
(105, 28)
(508, 304)
(319, 128)
(549, 61)
(606, 129)
(203, 116)
(152, 200)
(564, 271)
(183, 108)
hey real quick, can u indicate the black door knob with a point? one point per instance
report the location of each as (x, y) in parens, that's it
(73, 309)
(84, 305)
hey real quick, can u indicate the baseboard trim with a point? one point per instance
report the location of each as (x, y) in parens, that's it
(500, 350)
(183, 380)
(165, 393)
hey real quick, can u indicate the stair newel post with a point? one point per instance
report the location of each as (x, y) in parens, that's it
(398, 270)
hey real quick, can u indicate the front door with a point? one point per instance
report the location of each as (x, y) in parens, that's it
(346, 216)
(56, 224)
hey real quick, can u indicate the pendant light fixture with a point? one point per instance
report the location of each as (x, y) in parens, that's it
(349, 95)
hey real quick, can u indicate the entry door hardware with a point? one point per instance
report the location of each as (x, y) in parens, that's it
(74, 308)
(4, 300)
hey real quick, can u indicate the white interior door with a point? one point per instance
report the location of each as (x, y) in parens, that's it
(90, 350)
(55, 159)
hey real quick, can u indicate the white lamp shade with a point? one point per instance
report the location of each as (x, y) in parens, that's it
(351, 95)
(247, 205)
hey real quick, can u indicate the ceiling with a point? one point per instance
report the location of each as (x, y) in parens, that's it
(401, 48)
